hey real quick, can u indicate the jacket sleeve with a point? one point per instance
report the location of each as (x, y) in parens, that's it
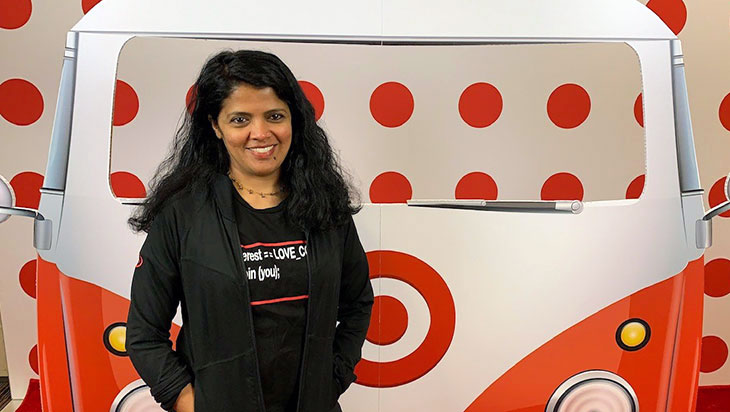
(353, 313)
(156, 291)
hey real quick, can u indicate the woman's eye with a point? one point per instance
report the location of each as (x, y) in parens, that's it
(238, 120)
(277, 116)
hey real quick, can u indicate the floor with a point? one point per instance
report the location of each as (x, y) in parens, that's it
(4, 391)
(12, 406)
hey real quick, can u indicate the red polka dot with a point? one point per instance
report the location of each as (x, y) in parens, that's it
(562, 186)
(390, 187)
(21, 103)
(480, 105)
(639, 110)
(717, 278)
(127, 185)
(391, 104)
(389, 321)
(568, 106)
(27, 278)
(189, 98)
(717, 195)
(714, 354)
(476, 185)
(27, 188)
(635, 187)
(314, 95)
(14, 13)
(724, 112)
(33, 359)
(672, 12)
(87, 5)
(126, 104)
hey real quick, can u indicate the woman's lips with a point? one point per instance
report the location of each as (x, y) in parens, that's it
(262, 152)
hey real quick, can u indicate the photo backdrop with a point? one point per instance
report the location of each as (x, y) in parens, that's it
(495, 122)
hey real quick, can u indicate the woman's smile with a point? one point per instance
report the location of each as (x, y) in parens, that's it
(262, 152)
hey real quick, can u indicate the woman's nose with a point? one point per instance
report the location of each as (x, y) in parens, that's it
(259, 129)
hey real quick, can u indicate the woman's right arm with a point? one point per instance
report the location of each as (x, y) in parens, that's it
(156, 292)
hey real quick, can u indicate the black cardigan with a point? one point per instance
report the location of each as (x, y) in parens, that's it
(192, 256)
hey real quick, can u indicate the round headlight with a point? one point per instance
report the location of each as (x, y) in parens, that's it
(594, 391)
(135, 397)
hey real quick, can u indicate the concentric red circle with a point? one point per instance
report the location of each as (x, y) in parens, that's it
(431, 286)
(389, 321)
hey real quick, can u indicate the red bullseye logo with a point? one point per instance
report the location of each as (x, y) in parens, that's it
(390, 320)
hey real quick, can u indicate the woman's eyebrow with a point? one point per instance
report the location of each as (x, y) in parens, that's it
(239, 113)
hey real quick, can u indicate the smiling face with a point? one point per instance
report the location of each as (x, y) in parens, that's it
(255, 126)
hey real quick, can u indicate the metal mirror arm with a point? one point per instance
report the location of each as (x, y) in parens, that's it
(721, 208)
(703, 227)
(42, 228)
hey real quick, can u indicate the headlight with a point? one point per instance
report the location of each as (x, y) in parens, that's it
(594, 391)
(135, 397)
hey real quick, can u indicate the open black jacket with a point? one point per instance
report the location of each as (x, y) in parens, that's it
(192, 256)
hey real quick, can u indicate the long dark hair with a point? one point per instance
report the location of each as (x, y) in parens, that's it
(319, 196)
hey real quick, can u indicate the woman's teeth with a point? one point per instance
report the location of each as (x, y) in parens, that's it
(262, 149)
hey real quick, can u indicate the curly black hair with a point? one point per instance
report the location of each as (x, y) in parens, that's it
(319, 193)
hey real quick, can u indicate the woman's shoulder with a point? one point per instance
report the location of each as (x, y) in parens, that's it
(183, 206)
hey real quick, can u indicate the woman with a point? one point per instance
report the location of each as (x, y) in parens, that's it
(250, 230)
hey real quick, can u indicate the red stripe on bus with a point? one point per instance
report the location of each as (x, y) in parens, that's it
(264, 302)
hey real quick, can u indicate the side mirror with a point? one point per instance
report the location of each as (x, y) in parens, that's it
(42, 228)
(703, 228)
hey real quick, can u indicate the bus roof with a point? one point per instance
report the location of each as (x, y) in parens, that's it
(380, 20)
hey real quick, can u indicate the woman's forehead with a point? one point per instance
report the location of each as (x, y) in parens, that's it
(247, 98)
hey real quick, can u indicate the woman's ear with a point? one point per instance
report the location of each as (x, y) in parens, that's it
(214, 125)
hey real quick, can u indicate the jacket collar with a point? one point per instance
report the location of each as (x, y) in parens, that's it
(223, 195)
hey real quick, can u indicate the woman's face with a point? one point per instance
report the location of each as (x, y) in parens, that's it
(255, 126)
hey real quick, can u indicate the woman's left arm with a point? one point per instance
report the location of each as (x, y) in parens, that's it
(353, 313)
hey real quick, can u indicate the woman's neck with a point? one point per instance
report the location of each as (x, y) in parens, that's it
(261, 192)
(258, 184)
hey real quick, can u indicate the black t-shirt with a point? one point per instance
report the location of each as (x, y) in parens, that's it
(274, 255)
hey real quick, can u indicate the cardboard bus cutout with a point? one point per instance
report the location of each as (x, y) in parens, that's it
(510, 325)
